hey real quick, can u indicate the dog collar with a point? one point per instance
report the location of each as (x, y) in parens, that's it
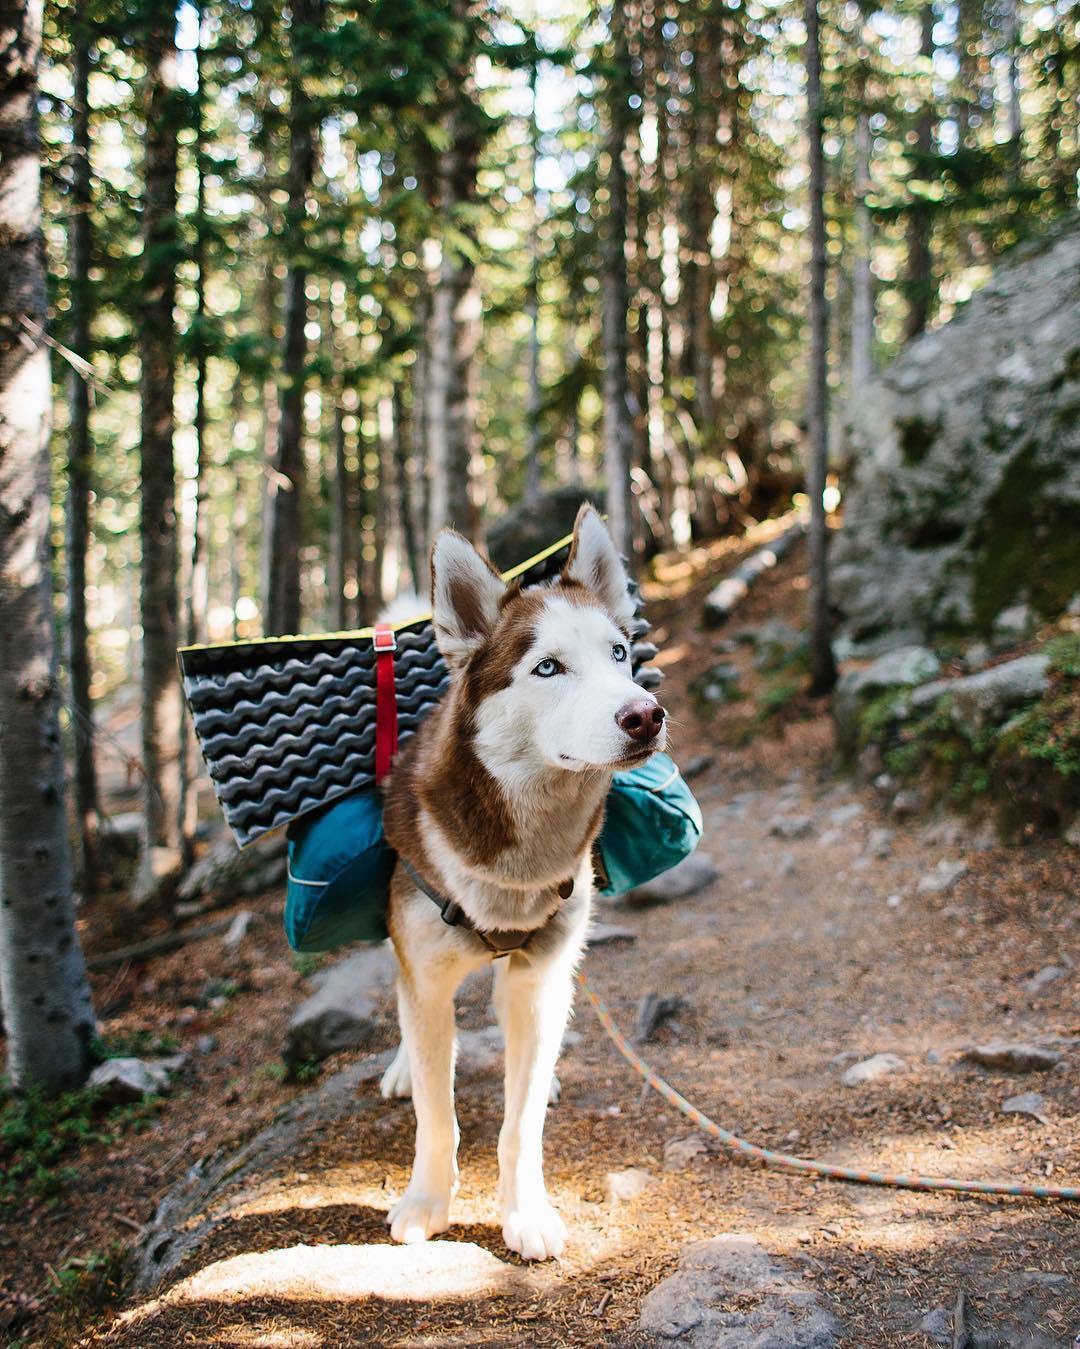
(500, 942)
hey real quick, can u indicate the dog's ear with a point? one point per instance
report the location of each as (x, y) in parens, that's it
(595, 564)
(466, 591)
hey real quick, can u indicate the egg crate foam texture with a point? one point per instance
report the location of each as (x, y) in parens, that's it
(287, 724)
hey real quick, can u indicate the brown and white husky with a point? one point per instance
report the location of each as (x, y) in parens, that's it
(493, 810)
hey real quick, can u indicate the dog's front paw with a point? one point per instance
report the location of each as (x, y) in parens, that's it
(418, 1216)
(397, 1080)
(534, 1230)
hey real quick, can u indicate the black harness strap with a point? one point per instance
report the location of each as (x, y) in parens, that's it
(500, 942)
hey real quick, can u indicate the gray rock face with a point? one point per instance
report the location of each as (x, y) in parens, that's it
(902, 668)
(123, 1080)
(687, 877)
(224, 870)
(345, 1010)
(967, 452)
(703, 1304)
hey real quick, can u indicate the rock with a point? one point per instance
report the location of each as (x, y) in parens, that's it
(344, 1011)
(1013, 625)
(786, 865)
(902, 668)
(1047, 975)
(1072, 834)
(687, 877)
(879, 842)
(604, 934)
(942, 879)
(730, 1293)
(830, 838)
(976, 656)
(840, 815)
(776, 644)
(981, 700)
(1027, 1103)
(1014, 1057)
(124, 1080)
(238, 929)
(225, 871)
(908, 801)
(680, 1152)
(531, 525)
(791, 826)
(873, 1069)
(700, 763)
(621, 1187)
(719, 684)
(206, 1044)
(954, 513)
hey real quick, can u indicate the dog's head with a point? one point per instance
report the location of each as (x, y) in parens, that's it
(545, 671)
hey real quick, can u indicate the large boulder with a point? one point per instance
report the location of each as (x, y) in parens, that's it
(967, 449)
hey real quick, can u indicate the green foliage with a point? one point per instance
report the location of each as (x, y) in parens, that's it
(38, 1136)
(86, 1286)
(134, 1044)
(307, 963)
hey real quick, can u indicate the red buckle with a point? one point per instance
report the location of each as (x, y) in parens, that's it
(384, 639)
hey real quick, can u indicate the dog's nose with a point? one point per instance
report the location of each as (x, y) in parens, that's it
(641, 719)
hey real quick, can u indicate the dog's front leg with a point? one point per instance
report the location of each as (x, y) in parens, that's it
(533, 1008)
(426, 1011)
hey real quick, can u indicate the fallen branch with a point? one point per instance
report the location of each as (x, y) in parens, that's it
(152, 946)
(732, 590)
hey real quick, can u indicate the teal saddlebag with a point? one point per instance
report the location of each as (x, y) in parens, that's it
(340, 864)
(339, 875)
(652, 821)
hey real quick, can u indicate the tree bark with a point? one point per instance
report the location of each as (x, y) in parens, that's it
(80, 469)
(532, 313)
(450, 415)
(618, 419)
(822, 665)
(919, 280)
(862, 301)
(47, 1013)
(286, 516)
(157, 350)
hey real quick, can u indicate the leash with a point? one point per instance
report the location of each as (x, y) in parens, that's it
(782, 1159)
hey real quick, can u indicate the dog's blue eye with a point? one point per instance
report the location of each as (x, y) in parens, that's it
(619, 651)
(548, 667)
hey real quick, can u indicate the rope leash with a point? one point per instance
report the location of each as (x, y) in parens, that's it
(783, 1159)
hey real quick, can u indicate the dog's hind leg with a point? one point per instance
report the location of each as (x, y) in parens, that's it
(535, 1004)
(426, 1011)
(397, 1080)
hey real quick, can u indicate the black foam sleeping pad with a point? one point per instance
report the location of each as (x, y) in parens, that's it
(287, 725)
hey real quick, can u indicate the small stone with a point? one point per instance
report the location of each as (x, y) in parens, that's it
(872, 1069)
(830, 838)
(1014, 1057)
(791, 826)
(879, 843)
(894, 901)
(206, 1044)
(1047, 975)
(604, 934)
(933, 1056)
(686, 878)
(906, 802)
(700, 763)
(1027, 1103)
(845, 814)
(942, 879)
(786, 865)
(123, 1080)
(623, 1186)
(1072, 834)
(680, 1152)
(343, 1012)
(884, 783)
(238, 929)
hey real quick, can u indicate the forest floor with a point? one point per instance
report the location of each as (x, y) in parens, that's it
(806, 954)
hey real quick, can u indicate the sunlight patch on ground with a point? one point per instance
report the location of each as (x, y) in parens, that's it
(250, 1337)
(434, 1270)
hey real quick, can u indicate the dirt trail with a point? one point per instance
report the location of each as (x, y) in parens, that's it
(807, 954)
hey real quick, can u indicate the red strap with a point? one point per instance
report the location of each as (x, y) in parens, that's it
(386, 732)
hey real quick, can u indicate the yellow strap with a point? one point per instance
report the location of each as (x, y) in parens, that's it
(360, 633)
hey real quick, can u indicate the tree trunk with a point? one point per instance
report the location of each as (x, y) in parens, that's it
(919, 280)
(532, 314)
(157, 349)
(618, 421)
(286, 517)
(450, 415)
(862, 301)
(198, 596)
(1015, 124)
(80, 471)
(402, 439)
(47, 1013)
(822, 666)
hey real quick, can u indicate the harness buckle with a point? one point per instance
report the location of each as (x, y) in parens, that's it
(383, 638)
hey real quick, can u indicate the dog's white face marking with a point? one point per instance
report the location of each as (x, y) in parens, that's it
(560, 708)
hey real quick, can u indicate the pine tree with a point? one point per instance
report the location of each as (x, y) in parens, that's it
(47, 1013)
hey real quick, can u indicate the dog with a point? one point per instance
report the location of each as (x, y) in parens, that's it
(493, 809)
